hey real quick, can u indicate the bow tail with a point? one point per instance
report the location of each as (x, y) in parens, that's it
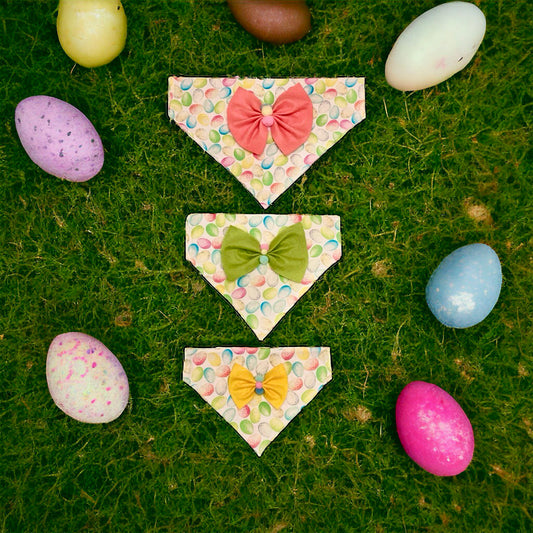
(244, 121)
(288, 254)
(276, 385)
(239, 253)
(249, 133)
(241, 385)
(294, 119)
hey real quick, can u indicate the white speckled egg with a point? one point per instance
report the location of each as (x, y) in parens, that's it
(435, 46)
(86, 381)
(465, 286)
(59, 138)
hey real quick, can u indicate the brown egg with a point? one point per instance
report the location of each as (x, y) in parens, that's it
(273, 21)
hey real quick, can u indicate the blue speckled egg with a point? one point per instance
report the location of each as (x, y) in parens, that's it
(465, 287)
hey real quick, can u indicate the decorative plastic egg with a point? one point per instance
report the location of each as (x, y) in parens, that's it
(465, 287)
(435, 46)
(59, 138)
(86, 381)
(91, 32)
(273, 21)
(433, 429)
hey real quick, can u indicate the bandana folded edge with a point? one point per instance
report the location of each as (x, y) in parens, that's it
(265, 204)
(211, 284)
(328, 380)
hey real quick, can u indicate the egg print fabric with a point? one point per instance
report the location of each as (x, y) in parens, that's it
(262, 296)
(209, 370)
(200, 107)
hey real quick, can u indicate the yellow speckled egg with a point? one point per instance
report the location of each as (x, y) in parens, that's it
(91, 32)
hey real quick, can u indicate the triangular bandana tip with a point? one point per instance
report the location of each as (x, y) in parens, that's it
(275, 246)
(305, 116)
(306, 370)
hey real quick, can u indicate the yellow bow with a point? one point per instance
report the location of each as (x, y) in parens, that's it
(242, 385)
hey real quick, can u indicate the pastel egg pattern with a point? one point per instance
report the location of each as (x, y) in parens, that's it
(465, 287)
(268, 175)
(433, 429)
(59, 138)
(85, 379)
(262, 297)
(258, 423)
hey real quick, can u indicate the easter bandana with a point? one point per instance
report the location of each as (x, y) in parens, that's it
(266, 132)
(258, 391)
(262, 264)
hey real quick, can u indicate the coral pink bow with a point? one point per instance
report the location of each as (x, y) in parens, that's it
(289, 120)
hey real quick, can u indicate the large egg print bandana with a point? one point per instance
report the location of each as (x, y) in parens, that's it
(258, 391)
(266, 132)
(262, 264)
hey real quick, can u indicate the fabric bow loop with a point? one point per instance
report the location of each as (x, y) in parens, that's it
(242, 385)
(287, 254)
(290, 120)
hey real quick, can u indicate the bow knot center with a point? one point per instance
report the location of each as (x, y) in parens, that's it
(289, 119)
(268, 119)
(286, 254)
(243, 385)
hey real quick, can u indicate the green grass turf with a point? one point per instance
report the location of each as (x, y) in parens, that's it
(107, 257)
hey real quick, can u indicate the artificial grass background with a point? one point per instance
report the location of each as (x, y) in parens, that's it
(424, 174)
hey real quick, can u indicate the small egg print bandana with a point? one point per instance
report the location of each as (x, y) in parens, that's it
(258, 391)
(262, 264)
(266, 132)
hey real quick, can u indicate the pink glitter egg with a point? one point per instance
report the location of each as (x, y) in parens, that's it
(59, 138)
(433, 429)
(86, 381)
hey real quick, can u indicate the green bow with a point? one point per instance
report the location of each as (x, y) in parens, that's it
(287, 253)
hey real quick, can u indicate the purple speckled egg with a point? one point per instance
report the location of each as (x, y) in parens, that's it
(59, 138)
(86, 381)
(433, 429)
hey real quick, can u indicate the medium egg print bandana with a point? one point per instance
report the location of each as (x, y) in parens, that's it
(266, 132)
(258, 391)
(262, 264)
